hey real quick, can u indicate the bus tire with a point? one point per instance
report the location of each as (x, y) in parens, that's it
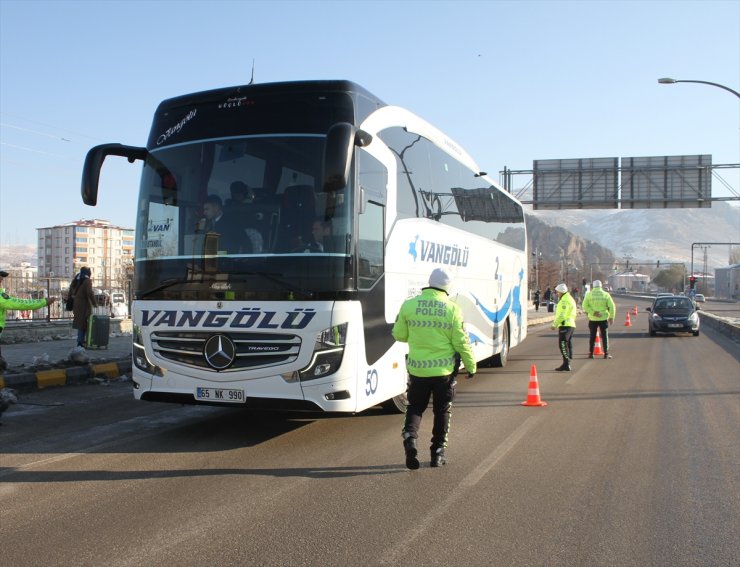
(397, 404)
(499, 360)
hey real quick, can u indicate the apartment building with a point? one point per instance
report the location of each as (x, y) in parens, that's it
(108, 250)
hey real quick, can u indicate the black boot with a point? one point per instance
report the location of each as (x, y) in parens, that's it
(565, 367)
(439, 457)
(409, 446)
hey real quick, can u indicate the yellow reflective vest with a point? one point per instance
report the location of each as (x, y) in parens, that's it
(431, 323)
(599, 305)
(565, 312)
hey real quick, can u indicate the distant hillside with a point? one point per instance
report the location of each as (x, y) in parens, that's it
(649, 235)
(553, 243)
(16, 254)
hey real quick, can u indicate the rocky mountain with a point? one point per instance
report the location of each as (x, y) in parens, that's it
(559, 249)
(552, 242)
(649, 235)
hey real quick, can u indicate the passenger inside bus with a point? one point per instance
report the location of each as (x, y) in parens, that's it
(231, 239)
(320, 240)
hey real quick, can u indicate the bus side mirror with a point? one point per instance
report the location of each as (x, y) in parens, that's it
(94, 161)
(341, 139)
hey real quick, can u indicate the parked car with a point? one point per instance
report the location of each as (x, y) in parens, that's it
(699, 298)
(674, 314)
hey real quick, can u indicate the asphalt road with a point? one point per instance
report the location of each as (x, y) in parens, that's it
(633, 462)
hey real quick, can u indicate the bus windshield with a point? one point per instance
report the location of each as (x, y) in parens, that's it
(232, 207)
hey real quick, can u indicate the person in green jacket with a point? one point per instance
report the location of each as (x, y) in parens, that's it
(600, 309)
(565, 323)
(8, 303)
(431, 323)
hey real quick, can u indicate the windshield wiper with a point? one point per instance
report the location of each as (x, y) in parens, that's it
(273, 277)
(164, 285)
(267, 275)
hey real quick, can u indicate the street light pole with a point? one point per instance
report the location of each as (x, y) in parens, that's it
(669, 81)
(536, 255)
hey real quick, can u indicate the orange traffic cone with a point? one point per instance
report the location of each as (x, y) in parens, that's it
(627, 322)
(533, 393)
(598, 349)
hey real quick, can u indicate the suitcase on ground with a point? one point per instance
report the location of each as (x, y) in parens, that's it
(550, 306)
(98, 331)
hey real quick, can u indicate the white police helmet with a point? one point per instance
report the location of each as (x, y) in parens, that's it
(440, 279)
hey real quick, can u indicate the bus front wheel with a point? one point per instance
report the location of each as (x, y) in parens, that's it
(397, 404)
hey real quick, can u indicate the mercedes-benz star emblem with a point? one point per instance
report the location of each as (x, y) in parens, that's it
(219, 352)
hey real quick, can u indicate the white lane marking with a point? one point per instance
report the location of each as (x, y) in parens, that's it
(499, 452)
(572, 380)
(472, 478)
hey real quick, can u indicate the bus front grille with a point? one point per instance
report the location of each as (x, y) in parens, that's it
(252, 350)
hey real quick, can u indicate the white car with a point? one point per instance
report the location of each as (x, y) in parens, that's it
(699, 298)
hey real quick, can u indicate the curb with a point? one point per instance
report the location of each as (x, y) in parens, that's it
(725, 327)
(29, 381)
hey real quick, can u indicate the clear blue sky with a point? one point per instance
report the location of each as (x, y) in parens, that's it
(509, 81)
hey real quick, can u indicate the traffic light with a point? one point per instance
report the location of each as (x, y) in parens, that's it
(692, 282)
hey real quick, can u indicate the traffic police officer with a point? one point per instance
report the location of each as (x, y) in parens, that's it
(600, 308)
(431, 323)
(565, 323)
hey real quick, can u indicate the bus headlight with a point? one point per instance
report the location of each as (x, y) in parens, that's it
(327, 353)
(140, 359)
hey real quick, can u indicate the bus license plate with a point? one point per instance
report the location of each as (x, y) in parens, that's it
(220, 395)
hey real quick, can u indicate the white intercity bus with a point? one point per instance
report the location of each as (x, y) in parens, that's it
(280, 227)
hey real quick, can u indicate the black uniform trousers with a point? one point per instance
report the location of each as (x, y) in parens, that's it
(442, 391)
(565, 342)
(592, 326)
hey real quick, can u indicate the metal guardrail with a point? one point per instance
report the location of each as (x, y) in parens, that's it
(38, 288)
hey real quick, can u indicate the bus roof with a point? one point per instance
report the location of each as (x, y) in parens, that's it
(278, 87)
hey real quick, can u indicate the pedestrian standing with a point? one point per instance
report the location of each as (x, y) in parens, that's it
(548, 299)
(565, 323)
(84, 302)
(431, 323)
(537, 300)
(8, 303)
(600, 309)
